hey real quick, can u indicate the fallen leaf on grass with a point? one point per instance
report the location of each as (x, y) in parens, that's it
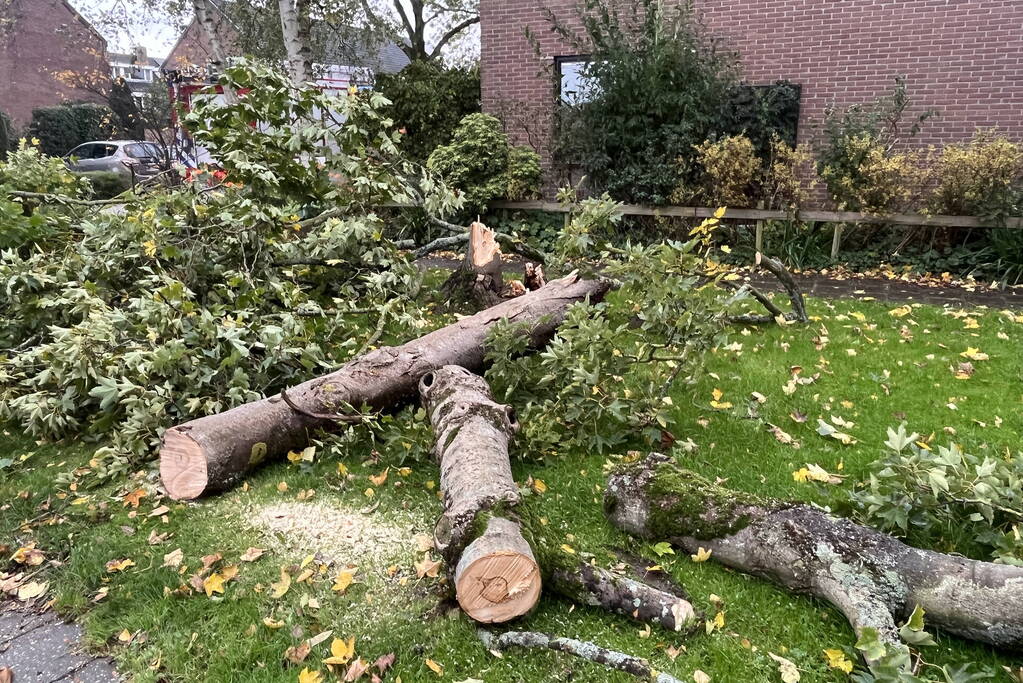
(825, 429)
(356, 670)
(160, 511)
(379, 479)
(341, 651)
(702, 555)
(296, 654)
(435, 667)
(279, 588)
(214, 583)
(309, 676)
(29, 555)
(173, 559)
(30, 590)
(700, 677)
(252, 554)
(782, 436)
(132, 499)
(343, 581)
(838, 660)
(974, 354)
(789, 672)
(817, 473)
(119, 565)
(427, 567)
(384, 662)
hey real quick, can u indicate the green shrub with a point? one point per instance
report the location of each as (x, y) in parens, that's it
(60, 129)
(981, 177)
(731, 171)
(482, 164)
(106, 184)
(660, 86)
(428, 101)
(856, 157)
(924, 493)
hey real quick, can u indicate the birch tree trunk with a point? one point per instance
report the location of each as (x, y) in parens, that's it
(295, 30)
(873, 579)
(206, 17)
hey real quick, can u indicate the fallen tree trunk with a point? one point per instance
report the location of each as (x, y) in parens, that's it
(213, 452)
(500, 551)
(496, 575)
(871, 577)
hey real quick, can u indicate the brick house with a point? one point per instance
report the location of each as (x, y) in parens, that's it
(40, 38)
(963, 58)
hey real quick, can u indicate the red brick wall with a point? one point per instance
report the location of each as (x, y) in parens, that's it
(962, 58)
(46, 37)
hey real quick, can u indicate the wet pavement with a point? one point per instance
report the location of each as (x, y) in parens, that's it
(42, 648)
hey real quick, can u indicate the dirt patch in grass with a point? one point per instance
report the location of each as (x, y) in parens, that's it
(342, 534)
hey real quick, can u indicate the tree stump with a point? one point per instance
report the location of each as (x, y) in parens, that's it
(479, 277)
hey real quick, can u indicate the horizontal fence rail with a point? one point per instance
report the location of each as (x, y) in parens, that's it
(774, 215)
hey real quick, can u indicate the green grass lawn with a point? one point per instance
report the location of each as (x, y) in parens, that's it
(875, 370)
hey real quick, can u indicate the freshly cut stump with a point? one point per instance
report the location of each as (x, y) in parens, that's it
(214, 452)
(479, 277)
(497, 577)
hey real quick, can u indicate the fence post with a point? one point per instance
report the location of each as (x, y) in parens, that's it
(760, 229)
(836, 240)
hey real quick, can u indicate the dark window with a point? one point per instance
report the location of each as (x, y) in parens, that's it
(81, 152)
(104, 151)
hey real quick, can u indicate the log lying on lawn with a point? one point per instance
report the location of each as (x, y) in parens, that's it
(213, 452)
(872, 578)
(500, 552)
(496, 575)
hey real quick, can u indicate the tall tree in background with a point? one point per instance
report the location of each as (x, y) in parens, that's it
(295, 32)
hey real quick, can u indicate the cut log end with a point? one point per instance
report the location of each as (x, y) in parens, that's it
(499, 586)
(182, 466)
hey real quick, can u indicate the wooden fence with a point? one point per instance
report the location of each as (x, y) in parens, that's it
(839, 218)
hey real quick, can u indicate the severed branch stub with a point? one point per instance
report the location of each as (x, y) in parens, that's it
(214, 452)
(874, 579)
(776, 268)
(479, 276)
(620, 661)
(500, 551)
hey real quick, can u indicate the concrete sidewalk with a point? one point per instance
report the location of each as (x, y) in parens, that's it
(42, 648)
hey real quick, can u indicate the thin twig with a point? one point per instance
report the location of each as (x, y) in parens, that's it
(640, 668)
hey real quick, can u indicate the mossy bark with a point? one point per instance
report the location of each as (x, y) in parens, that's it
(874, 579)
(492, 536)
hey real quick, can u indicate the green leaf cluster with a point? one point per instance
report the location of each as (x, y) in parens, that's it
(923, 492)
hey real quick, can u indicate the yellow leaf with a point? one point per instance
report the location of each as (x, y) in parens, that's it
(568, 549)
(838, 660)
(717, 394)
(150, 248)
(309, 676)
(700, 677)
(279, 588)
(294, 456)
(369, 493)
(214, 583)
(974, 354)
(702, 554)
(723, 405)
(539, 486)
(900, 312)
(124, 636)
(343, 581)
(378, 480)
(341, 651)
(859, 316)
(435, 667)
(342, 469)
(119, 565)
(32, 589)
(272, 623)
(427, 567)
(720, 213)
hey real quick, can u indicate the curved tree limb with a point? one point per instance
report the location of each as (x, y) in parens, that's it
(776, 268)
(871, 577)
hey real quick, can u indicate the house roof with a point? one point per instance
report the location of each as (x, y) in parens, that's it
(83, 20)
(128, 58)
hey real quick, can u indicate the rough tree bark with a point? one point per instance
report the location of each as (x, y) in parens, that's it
(213, 452)
(496, 575)
(500, 550)
(206, 16)
(479, 277)
(872, 578)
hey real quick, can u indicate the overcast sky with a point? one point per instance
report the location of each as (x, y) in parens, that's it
(126, 23)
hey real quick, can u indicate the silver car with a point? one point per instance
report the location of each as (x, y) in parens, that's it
(118, 156)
